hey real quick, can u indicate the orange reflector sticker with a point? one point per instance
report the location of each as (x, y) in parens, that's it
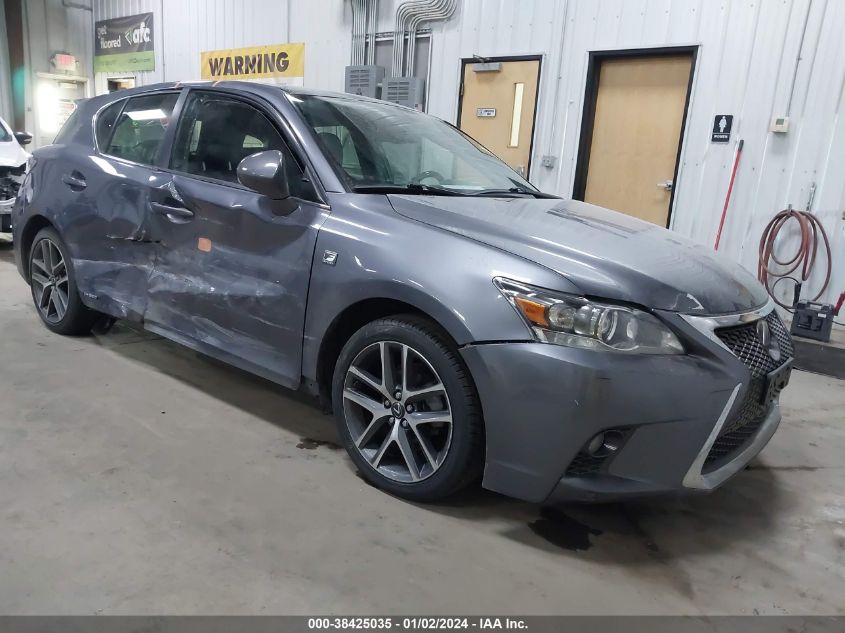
(533, 311)
(204, 244)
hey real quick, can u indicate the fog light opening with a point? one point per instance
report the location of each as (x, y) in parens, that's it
(605, 443)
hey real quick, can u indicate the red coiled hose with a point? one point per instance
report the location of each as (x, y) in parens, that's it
(805, 257)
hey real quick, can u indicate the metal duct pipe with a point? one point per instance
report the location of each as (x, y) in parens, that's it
(359, 29)
(371, 51)
(403, 14)
(443, 11)
(362, 32)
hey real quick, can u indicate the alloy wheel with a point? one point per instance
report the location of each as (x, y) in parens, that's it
(48, 273)
(397, 411)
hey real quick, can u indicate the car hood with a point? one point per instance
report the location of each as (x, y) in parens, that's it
(12, 154)
(604, 253)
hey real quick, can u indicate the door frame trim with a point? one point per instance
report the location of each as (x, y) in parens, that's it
(505, 58)
(588, 115)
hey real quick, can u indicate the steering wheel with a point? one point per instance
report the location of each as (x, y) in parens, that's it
(429, 173)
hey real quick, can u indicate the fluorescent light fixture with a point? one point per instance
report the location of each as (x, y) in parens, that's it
(518, 90)
(146, 115)
(47, 105)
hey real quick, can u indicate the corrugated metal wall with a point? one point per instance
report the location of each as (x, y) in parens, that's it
(50, 27)
(5, 72)
(188, 27)
(745, 66)
(106, 9)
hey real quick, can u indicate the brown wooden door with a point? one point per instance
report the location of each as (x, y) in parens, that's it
(639, 113)
(497, 108)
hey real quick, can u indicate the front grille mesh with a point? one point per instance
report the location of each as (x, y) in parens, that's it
(743, 341)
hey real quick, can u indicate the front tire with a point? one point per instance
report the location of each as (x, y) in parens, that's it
(54, 292)
(407, 410)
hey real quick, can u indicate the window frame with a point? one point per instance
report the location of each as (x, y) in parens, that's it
(165, 140)
(276, 120)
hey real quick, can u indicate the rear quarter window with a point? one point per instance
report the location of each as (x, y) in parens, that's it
(69, 129)
(141, 126)
(105, 123)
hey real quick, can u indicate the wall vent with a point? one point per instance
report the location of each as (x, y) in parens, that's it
(363, 80)
(406, 91)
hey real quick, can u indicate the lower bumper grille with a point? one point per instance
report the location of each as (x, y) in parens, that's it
(744, 342)
(739, 431)
(585, 464)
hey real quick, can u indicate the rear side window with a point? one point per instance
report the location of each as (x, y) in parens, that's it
(140, 129)
(105, 123)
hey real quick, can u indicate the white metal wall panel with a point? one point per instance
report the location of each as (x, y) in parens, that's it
(5, 72)
(746, 59)
(185, 28)
(193, 26)
(107, 9)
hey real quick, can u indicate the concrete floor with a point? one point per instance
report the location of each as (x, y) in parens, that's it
(138, 477)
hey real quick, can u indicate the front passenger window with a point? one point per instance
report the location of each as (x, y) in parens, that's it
(217, 132)
(140, 129)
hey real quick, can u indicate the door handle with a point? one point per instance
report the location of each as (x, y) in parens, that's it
(171, 212)
(666, 184)
(75, 181)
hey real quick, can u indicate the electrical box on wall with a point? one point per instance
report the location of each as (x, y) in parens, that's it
(406, 91)
(780, 124)
(363, 80)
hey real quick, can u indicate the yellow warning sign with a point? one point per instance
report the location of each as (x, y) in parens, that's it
(256, 62)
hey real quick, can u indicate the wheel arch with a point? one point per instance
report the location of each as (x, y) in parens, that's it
(350, 320)
(33, 225)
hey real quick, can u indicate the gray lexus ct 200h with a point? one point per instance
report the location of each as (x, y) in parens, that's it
(460, 323)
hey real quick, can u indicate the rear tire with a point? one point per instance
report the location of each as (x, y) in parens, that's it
(53, 286)
(415, 430)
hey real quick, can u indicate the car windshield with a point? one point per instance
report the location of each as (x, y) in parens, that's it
(5, 133)
(384, 146)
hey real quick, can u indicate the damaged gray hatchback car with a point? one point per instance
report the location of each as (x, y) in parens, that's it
(460, 323)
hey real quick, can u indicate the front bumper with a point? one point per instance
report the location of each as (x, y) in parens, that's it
(543, 403)
(6, 214)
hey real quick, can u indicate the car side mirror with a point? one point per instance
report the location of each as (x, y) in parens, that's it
(264, 173)
(24, 138)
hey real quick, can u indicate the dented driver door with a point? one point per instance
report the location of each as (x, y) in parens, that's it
(232, 267)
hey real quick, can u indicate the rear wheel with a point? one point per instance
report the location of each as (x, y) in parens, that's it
(407, 410)
(54, 288)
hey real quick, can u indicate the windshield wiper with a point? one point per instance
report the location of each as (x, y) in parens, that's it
(412, 188)
(511, 191)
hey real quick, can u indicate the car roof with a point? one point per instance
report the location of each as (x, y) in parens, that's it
(244, 86)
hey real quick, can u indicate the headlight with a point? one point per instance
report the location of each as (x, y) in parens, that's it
(576, 322)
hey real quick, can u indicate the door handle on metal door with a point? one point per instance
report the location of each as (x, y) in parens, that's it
(666, 184)
(172, 213)
(75, 181)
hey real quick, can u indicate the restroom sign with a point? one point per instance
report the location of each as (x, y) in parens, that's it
(722, 124)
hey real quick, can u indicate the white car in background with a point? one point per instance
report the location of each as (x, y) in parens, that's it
(13, 160)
